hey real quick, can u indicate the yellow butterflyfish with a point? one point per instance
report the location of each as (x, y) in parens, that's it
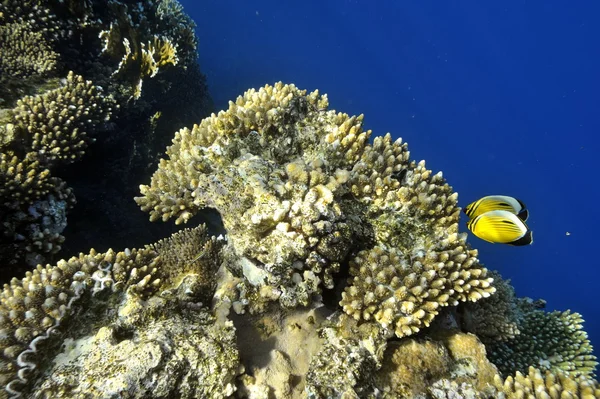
(501, 227)
(497, 203)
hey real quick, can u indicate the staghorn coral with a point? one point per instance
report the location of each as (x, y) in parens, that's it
(495, 318)
(111, 300)
(552, 341)
(301, 192)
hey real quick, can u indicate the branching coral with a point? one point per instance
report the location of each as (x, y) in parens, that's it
(301, 191)
(552, 341)
(40, 133)
(550, 385)
(24, 52)
(58, 125)
(495, 318)
(24, 180)
(67, 298)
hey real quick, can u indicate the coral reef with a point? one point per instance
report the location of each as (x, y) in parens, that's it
(58, 125)
(70, 75)
(25, 55)
(43, 132)
(342, 273)
(65, 326)
(553, 341)
(535, 385)
(449, 360)
(301, 192)
(496, 318)
(347, 360)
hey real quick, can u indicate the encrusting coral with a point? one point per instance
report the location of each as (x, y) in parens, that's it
(348, 359)
(61, 325)
(301, 192)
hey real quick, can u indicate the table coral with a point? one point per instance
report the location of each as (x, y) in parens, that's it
(302, 192)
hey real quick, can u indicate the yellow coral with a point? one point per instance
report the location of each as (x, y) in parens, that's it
(59, 123)
(300, 189)
(534, 385)
(34, 308)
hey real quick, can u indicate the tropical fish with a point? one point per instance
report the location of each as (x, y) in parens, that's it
(502, 227)
(497, 203)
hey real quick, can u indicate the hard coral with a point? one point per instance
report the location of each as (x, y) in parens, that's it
(58, 125)
(301, 192)
(24, 52)
(495, 318)
(550, 385)
(97, 298)
(40, 133)
(553, 341)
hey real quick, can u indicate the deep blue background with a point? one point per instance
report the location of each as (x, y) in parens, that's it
(503, 98)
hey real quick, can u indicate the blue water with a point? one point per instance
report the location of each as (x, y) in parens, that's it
(503, 98)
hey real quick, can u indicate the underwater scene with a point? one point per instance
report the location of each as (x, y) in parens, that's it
(269, 199)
